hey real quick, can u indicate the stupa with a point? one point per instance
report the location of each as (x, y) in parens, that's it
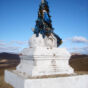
(42, 58)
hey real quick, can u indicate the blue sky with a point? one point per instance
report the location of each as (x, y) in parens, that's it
(69, 19)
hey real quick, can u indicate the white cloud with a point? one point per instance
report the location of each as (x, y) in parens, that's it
(2, 44)
(19, 42)
(79, 39)
(10, 49)
(81, 50)
(12, 46)
(1, 40)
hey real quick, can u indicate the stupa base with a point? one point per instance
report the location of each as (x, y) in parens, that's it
(18, 80)
(45, 61)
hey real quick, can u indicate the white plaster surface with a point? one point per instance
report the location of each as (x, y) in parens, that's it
(39, 41)
(42, 61)
(44, 58)
(22, 81)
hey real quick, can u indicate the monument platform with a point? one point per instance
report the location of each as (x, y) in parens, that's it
(19, 80)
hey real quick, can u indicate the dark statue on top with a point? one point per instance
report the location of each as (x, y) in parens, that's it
(44, 23)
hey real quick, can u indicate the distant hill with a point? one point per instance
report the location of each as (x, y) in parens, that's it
(78, 62)
(9, 60)
(5, 55)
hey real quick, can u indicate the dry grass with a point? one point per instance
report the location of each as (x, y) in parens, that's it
(3, 84)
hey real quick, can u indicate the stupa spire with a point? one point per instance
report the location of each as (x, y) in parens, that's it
(44, 24)
(43, 1)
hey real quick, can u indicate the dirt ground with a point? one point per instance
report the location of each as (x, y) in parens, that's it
(3, 84)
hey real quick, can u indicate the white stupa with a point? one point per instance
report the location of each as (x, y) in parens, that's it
(42, 59)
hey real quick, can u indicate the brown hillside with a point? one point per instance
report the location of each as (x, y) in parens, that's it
(79, 62)
(9, 60)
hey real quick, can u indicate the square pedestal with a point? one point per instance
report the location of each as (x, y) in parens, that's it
(18, 80)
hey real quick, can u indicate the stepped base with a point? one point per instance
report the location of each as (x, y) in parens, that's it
(18, 80)
(45, 61)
